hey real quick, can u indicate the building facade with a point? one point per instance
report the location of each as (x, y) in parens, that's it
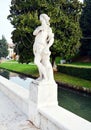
(10, 50)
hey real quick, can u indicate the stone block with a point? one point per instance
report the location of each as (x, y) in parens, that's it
(41, 95)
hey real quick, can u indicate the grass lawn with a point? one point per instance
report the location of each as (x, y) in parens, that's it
(31, 69)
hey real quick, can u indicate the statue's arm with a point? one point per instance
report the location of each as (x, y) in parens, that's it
(37, 30)
(50, 40)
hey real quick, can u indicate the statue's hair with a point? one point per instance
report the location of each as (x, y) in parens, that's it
(46, 18)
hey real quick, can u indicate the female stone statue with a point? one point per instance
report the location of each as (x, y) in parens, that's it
(44, 38)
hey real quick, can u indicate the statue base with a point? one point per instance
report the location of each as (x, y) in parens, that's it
(41, 95)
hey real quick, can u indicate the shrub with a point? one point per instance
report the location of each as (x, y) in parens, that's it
(81, 72)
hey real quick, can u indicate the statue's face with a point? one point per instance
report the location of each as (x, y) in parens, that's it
(41, 18)
(44, 19)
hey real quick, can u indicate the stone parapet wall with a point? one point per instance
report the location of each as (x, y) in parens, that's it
(42, 111)
(18, 95)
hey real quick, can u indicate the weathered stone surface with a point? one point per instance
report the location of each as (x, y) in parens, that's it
(11, 118)
(43, 94)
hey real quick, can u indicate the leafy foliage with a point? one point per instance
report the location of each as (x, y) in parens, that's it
(64, 21)
(85, 23)
(3, 47)
(75, 70)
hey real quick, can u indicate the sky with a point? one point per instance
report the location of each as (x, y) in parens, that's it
(5, 26)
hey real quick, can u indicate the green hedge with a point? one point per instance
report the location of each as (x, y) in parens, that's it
(80, 72)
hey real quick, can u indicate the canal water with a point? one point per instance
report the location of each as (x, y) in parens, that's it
(74, 101)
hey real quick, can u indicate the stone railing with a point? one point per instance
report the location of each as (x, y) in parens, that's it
(41, 107)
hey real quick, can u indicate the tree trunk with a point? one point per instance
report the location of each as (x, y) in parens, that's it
(54, 64)
(53, 60)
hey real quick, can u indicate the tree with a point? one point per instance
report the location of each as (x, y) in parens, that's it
(66, 28)
(85, 23)
(22, 35)
(3, 47)
(64, 16)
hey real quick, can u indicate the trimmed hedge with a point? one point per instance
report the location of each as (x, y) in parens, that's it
(80, 72)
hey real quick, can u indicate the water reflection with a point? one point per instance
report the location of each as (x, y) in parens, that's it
(76, 102)
(4, 73)
(21, 80)
(16, 78)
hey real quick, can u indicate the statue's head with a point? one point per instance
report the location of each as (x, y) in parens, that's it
(45, 17)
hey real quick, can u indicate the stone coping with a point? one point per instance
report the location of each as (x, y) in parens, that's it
(15, 88)
(64, 119)
(18, 95)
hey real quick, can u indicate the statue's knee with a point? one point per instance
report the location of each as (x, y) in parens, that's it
(48, 65)
(36, 61)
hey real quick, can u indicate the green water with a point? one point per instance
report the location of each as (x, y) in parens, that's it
(76, 102)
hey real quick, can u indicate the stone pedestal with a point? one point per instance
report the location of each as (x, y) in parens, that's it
(41, 95)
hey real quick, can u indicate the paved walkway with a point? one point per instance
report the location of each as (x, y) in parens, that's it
(11, 118)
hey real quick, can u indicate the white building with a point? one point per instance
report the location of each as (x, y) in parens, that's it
(10, 50)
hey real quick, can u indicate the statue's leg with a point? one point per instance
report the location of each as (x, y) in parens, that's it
(48, 67)
(41, 68)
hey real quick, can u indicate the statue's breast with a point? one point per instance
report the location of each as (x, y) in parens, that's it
(41, 37)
